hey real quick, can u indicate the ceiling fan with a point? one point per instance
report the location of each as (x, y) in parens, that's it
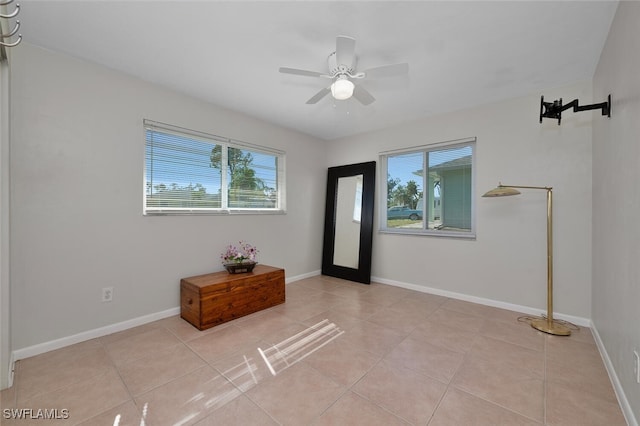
(342, 70)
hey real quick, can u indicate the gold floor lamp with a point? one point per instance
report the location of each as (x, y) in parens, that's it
(547, 325)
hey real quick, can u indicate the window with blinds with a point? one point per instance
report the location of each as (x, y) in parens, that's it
(190, 172)
(429, 190)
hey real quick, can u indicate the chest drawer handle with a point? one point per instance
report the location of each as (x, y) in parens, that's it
(189, 301)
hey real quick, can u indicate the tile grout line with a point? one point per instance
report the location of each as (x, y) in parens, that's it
(124, 384)
(467, 354)
(378, 359)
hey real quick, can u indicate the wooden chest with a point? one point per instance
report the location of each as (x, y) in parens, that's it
(212, 299)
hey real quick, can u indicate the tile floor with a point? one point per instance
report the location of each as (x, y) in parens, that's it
(405, 358)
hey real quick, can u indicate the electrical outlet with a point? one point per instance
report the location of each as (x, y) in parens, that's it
(107, 294)
(636, 365)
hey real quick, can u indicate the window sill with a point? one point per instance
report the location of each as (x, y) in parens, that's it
(212, 212)
(430, 233)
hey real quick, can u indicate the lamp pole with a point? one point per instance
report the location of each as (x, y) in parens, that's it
(547, 325)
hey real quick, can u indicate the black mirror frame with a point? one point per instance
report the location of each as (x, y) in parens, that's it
(363, 273)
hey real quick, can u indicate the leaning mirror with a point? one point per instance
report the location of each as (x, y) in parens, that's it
(348, 229)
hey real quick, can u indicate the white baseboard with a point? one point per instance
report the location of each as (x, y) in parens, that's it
(585, 322)
(289, 280)
(617, 386)
(109, 329)
(12, 368)
(124, 325)
(90, 334)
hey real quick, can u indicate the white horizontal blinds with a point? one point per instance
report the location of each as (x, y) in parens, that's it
(252, 179)
(188, 172)
(180, 173)
(357, 202)
(452, 157)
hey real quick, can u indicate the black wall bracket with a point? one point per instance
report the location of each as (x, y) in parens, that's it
(554, 109)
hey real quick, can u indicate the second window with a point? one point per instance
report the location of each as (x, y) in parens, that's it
(429, 190)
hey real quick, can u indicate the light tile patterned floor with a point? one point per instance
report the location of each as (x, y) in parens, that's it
(405, 358)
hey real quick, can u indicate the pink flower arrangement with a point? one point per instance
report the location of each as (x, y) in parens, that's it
(243, 253)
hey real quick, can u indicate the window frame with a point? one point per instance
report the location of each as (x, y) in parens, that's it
(424, 149)
(225, 143)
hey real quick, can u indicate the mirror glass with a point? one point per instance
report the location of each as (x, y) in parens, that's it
(348, 213)
(348, 230)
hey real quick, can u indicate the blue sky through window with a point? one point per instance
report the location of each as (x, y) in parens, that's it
(409, 166)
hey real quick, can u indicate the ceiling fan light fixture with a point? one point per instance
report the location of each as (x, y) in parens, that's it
(342, 88)
(342, 70)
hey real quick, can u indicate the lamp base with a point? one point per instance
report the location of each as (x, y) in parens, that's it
(550, 327)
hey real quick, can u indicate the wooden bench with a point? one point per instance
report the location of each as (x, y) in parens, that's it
(212, 299)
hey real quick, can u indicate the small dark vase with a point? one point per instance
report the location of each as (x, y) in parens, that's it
(240, 267)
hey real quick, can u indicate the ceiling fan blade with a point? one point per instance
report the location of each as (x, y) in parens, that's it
(363, 95)
(296, 71)
(387, 70)
(321, 94)
(345, 50)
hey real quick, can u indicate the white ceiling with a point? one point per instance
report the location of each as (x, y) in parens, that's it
(460, 54)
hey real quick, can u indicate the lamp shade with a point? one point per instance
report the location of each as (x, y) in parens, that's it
(342, 88)
(501, 191)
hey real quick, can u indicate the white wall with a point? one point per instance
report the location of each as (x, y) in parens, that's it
(616, 199)
(77, 186)
(5, 287)
(507, 261)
